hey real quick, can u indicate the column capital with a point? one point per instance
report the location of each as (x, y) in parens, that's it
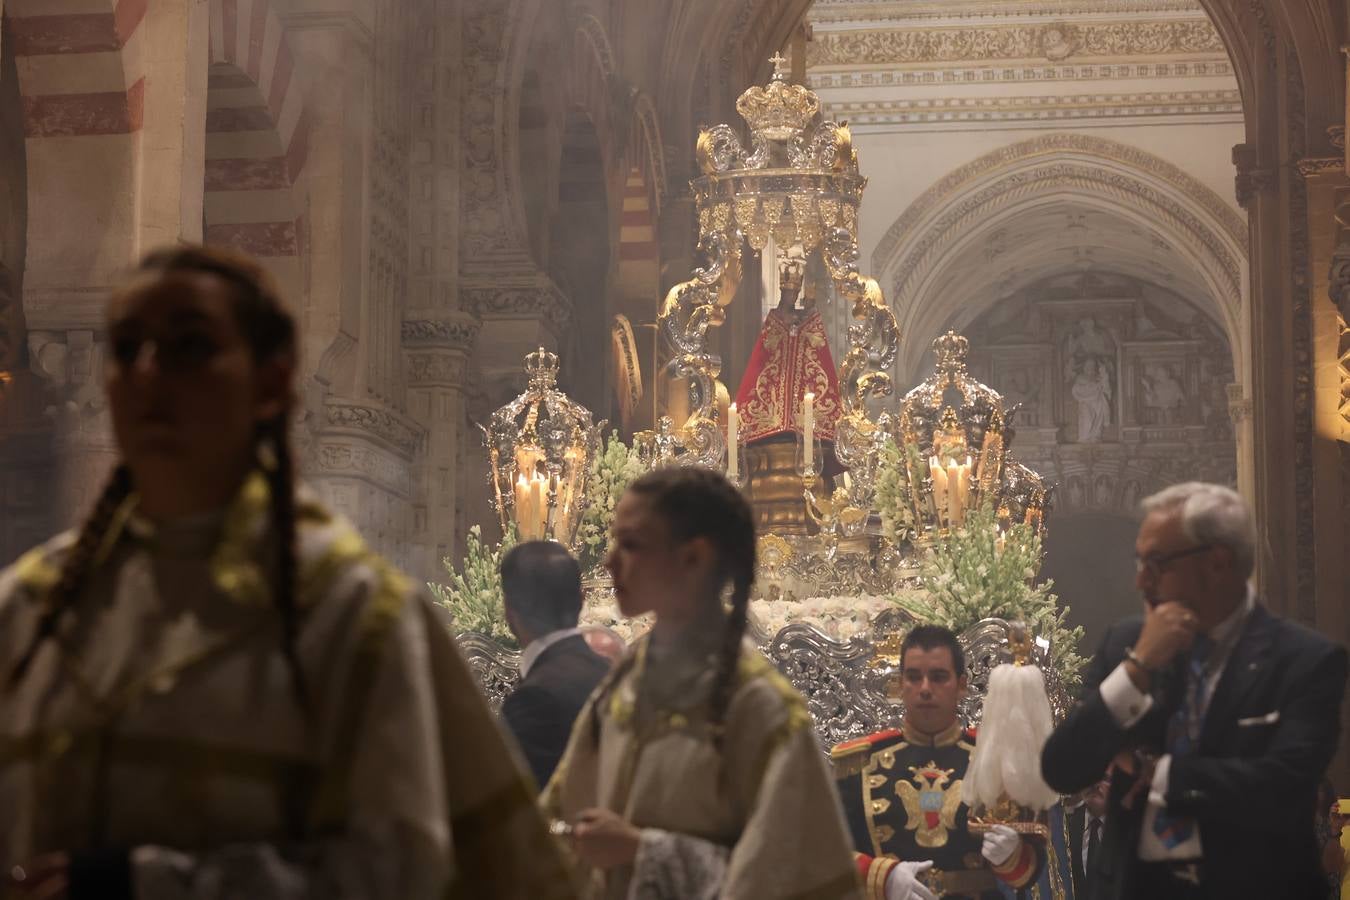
(455, 331)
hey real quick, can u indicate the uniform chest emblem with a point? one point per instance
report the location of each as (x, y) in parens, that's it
(931, 800)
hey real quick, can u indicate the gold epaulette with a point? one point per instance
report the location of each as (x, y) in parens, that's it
(849, 757)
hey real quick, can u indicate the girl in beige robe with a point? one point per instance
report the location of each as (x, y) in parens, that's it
(212, 689)
(693, 772)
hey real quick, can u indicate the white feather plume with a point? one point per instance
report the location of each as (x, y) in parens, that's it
(1007, 758)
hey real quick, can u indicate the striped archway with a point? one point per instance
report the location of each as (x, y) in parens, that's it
(82, 86)
(257, 140)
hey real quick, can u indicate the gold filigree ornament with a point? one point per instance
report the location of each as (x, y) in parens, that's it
(796, 182)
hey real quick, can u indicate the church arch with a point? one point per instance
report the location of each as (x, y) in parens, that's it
(917, 257)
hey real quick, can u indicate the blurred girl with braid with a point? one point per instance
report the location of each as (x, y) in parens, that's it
(693, 771)
(212, 689)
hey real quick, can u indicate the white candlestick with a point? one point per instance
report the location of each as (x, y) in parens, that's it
(733, 439)
(809, 430)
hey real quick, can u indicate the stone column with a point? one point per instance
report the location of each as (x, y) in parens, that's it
(437, 353)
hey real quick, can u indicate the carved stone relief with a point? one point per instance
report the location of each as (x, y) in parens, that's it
(457, 333)
(1053, 41)
(1117, 386)
(378, 422)
(432, 368)
(545, 303)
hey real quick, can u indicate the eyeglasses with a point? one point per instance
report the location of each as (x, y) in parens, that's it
(1156, 565)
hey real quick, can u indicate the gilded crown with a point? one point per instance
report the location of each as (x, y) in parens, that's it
(781, 110)
(951, 350)
(542, 367)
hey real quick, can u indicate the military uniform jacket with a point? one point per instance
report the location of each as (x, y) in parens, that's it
(902, 800)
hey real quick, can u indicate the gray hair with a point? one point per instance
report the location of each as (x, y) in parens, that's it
(1211, 514)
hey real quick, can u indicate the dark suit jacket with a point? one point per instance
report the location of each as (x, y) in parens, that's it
(542, 708)
(1268, 735)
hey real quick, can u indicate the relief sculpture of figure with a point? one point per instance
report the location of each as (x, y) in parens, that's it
(1163, 394)
(1092, 390)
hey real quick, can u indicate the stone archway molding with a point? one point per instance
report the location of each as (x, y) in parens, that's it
(919, 247)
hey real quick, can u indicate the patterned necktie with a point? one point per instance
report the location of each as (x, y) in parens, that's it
(1183, 737)
(1094, 840)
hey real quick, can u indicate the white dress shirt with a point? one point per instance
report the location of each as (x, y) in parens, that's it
(1128, 705)
(530, 655)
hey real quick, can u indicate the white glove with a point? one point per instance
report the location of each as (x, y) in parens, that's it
(903, 884)
(1000, 843)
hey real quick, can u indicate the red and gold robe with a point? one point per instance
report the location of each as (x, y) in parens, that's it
(790, 358)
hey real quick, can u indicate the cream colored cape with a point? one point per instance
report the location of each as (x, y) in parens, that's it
(164, 720)
(642, 747)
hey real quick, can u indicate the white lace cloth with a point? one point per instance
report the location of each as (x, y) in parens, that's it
(677, 867)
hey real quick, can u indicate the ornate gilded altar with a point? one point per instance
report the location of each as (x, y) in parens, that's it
(839, 563)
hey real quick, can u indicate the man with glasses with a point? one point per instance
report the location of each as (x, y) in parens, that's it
(1216, 717)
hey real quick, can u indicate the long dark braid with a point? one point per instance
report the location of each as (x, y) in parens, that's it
(74, 569)
(696, 502)
(281, 485)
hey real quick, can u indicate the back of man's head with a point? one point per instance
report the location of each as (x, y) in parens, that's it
(541, 584)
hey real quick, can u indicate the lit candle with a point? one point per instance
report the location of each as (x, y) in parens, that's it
(538, 505)
(809, 430)
(522, 495)
(953, 494)
(939, 476)
(733, 438)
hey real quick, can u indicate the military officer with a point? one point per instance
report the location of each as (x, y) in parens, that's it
(901, 791)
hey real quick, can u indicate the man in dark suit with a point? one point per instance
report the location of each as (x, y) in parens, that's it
(1084, 827)
(541, 584)
(1217, 717)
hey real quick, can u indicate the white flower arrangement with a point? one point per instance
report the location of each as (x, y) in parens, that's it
(893, 498)
(608, 615)
(474, 594)
(841, 618)
(979, 572)
(612, 471)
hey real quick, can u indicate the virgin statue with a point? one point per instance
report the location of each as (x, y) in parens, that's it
(791, 359)
(1092, 390)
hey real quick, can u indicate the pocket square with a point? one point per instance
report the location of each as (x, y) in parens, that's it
(1269, 718)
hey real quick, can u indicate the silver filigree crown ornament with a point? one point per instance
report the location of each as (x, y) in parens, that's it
(540, 447)
(963, 430)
